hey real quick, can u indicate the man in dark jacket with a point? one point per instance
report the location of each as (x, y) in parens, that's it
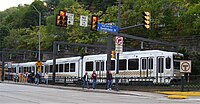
(85, 81)
(109, 80)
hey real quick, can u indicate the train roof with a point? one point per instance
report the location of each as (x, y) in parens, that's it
(60, 60)
(140, 52)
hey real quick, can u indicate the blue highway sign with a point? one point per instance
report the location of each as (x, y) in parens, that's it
(108, 28)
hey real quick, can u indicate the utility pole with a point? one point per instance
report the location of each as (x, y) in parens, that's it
(117, 69)
(39, 24)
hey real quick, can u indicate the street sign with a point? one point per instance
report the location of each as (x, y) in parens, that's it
(83, 21)
(119, 40)
(118, 44)
(70, 18)
(185, 66)
(38, 63)
(108, 28)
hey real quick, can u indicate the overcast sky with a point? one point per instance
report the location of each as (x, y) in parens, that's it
(5, 4)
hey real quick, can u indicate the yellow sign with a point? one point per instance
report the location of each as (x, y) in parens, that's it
(38, 64)
(39, 69)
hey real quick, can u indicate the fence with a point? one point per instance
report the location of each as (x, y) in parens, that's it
(178, 83)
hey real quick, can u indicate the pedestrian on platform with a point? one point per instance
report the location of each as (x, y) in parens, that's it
(94, 79)
(16, 77)
(85, 80)
(109, 80)
(46, 78)
(32, 77)
(37, 78)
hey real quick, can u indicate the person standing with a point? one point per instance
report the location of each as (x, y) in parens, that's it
(46, 78)
(37, 78)
(85, 81)
(32, 77)
(16, 77)
(94, 79)
(109, 80)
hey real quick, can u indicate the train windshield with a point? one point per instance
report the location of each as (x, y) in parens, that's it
(177, 59)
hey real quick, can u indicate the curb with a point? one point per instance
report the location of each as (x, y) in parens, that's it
(181, 93)
(177, 97)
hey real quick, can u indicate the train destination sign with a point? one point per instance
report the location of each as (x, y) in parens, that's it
(185, 66)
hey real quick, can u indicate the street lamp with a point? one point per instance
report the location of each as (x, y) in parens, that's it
(39, 31)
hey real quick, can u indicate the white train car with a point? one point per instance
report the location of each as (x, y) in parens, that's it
(66, 67)
(24, 67)
(150, 65)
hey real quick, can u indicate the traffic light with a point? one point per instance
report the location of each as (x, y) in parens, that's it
(61, 19)
(146, 17)
(94, 22)
(113, 54)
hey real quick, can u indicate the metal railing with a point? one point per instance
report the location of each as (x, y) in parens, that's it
(178, 83)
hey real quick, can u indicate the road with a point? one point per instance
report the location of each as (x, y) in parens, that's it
(23, 94)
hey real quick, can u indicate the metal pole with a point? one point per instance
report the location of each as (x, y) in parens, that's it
(2, 71)
(117, 70)
(54, 61)
(39, 24)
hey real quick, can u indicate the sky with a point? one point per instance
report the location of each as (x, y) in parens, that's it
(5, 4)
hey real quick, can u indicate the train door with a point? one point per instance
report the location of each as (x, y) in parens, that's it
(100, 68)
(160, 69)
(144, 68)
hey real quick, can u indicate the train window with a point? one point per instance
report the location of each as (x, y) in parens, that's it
(112, 65)
(20, 70)
(176, 65)
(89, 66)
(150, 64)
(51, 68)
(102, 66)
(72, 67)
(133, 64)
(60, 67)
(46, 69)
(98, 67)
(168, 62)
(33, 68)
(144, 64)
(160, 65)
(56, 68)
(67, 67)
(122, 64)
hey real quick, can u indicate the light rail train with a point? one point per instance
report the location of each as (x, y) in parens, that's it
(155, 65)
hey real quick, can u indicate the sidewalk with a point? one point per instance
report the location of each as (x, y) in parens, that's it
(169, 94)
(122, 92)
